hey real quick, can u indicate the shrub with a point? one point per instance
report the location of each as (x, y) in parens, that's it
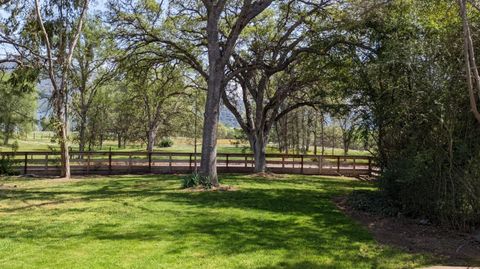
(373, 202)
(15, 146)
(6, 166)
(196, 180)
(165, 143)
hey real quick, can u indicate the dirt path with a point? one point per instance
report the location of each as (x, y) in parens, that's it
(455, 248)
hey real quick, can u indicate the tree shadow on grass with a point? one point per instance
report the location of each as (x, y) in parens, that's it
(273, 216)
(89, 190)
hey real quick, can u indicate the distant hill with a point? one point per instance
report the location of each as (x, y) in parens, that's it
(227, 118)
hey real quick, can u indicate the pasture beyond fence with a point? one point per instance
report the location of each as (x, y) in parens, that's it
(114, 163)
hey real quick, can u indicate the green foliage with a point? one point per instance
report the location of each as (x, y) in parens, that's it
(165, 143)
(375, 202)
(15, 146)
(415, 90)
(17, 107)
(196, 180)
(6, 166)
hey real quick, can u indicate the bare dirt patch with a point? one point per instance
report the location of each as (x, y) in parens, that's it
(452, 247)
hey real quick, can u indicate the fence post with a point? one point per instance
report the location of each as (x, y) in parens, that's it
(245, 161)
(46, 163)
(369, 166)
(110, 162)
(190, 163)
(283, 161)
(319, 160)
(301, 164)
(26, 162)
(354, 161)
(227, 161)
(338, 164)
(129, 162)
(150, 162)
(88, 163)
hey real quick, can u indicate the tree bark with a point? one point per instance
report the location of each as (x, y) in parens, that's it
(322, 131)
(208, 164)
(315, 133)
(470, 63)
(216, 75)
(119, 141)
(6, 134)
(81, 135)
(258, 142)
(62, 133)
(151, 136)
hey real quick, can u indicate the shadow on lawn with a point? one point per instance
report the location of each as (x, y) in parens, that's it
(267, 217)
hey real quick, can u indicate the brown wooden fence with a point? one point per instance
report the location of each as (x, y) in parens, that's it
(105, 163)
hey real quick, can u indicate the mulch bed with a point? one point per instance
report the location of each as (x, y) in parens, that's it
(453, 247)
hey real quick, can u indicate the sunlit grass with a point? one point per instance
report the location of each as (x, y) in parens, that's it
(148, 222)
(41, 141)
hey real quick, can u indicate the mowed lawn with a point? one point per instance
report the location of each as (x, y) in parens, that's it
(148, 222)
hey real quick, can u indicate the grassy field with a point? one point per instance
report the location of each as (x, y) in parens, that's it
(41, 141)
(148, 222)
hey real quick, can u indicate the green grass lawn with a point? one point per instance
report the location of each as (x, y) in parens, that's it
(148, 222)
(41, 141)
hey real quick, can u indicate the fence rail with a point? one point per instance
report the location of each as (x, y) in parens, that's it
(104, 163)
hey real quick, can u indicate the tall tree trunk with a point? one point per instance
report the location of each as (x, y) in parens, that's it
(297, 134)
(322, 131)
(119, 140)
(6, 138)
(345, 145)
(81, 135)
(208, 164)
(6, 134)
(334, 138)
(315, 133)
(62, 133)
(470, 62)
(279, 138)
(285, 135)
(151, 136)
(258, 142)
(307, 141)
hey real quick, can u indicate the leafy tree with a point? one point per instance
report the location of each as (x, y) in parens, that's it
(413, 87)
(90, 71)
(271, 84)
(195, 32)
(17, 109)
(157, 90)
(44, 35)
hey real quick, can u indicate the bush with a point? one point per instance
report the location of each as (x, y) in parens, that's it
(6, 166)
(196, 180)
(165, 143)
(374, 202)
(15, 146)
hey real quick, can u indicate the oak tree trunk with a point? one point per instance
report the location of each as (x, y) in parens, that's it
(151, 136)
(258, 142)
(208, 164)
(81, 135)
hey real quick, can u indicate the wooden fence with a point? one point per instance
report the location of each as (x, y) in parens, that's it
(114, 163)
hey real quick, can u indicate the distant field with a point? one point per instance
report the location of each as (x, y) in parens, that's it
(42, 141)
